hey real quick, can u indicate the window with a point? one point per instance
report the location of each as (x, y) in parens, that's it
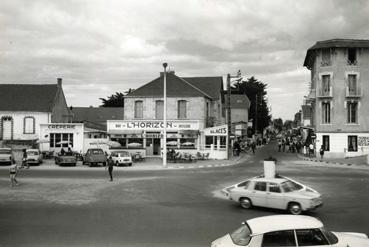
(352, 84)
(29, 125)
(223, 142)
(138, 109)
(351, 112)
(332, 239)
(261, 186)
(182, 109)
(135, 143)
(159, 109)
(210, 140)
(241, 236)
(289, 186)
(279, 238)
(326, 57)
(273, 187)
(58, 140)
(326, 112)
(326, 84)
(352, 143)
(244, 184)
(326, 142)
(310, 237)
(351, 56)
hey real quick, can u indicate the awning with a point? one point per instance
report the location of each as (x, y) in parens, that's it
(125, 132)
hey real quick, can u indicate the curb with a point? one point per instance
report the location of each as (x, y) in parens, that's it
(324, 161)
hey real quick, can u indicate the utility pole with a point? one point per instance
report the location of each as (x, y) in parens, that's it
(256, 113)
(229, 123)
(165, 117)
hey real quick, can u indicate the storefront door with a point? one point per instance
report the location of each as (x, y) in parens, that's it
(149, 146)
(157, 146)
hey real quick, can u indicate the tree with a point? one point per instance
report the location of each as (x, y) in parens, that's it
(278, 124)
(115, 100)
(255, 91)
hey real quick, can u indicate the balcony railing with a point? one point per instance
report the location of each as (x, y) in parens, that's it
(325, 93)
(352, 62)
(325, 63)
(353, 92)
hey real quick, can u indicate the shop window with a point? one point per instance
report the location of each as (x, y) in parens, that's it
(135, 143)
(139, 109)
(188, 143)
(326, 112)
(58, 140)
(326, 142)
(182, 109)
(223, 142)
(29, 125)
(172, 142)
(122, 141)
(352, 112)
(159, 109)
(352, 143)
(209, 140)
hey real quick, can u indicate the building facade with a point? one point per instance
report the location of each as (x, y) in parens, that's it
(193, 105)
(339, 96)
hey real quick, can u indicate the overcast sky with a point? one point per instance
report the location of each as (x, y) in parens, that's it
(101, 47)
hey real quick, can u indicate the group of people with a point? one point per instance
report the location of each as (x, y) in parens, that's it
(243, 146)
(296, 145)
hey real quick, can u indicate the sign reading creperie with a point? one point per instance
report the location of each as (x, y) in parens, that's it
(61, 126)
(152, 125)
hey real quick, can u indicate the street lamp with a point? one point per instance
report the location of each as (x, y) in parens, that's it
(165, 117)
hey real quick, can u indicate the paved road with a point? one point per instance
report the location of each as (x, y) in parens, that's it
(161, 208)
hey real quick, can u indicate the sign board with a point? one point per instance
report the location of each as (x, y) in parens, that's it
(220, 130)
(151, 125)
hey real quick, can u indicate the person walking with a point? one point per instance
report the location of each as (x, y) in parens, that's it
(13, 174)
(110, 167)
(253, 147)
(279, 145)
(321, 152)
(311, 150)
(24, 159)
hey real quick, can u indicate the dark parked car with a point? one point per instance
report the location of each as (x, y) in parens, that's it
(94, 156)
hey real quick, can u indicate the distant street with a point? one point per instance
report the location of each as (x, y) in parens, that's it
(164, 207)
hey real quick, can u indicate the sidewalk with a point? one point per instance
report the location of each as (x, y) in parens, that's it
(359, 161)
(147, 164)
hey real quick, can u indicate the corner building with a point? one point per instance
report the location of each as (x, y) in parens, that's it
(339, 96)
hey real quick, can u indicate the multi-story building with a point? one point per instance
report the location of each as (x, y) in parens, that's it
(195, 119)
(339, 95)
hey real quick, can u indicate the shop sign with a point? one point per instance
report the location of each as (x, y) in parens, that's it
(61, 126)
(152, 125)
(216, 131)
(363, 141)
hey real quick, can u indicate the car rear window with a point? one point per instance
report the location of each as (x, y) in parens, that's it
(289, 186)
(241, 236)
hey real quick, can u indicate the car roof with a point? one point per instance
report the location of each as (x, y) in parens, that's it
(271, 180)
(5, 149)
(273, 223)
(32, 150)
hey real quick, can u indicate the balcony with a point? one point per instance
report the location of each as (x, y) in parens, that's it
(325, 93)
(353, 92)
(352, 62)
(326, 63)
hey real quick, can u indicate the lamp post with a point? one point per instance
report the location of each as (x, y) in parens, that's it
(165, 117)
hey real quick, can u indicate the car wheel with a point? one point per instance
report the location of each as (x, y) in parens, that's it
(245, 203)
(130, 164)
(294, 208)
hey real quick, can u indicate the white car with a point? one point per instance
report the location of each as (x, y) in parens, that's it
(6, 156)
(289, 230)
(279, 192)
(121, 158)
(33, 156)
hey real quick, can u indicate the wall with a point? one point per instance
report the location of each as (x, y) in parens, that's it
(18, 123)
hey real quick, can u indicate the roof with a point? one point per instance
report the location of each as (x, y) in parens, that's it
(97, 114)
(209, 87)
(273, 223)
(27, 97)
(239, 101)
(333, 43)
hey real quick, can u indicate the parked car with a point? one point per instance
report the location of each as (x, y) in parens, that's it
(33, 157)
(67, 158)
(279, 192)
(6, 156)
(121, 158)
(289, 230)
(94, 156)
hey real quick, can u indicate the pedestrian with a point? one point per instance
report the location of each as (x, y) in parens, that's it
(24, 160)
(321, 152)
(62, 151)
(279, 145)
(13, 174)
(283, 145)
(253, 147)
(311, 149)
(110, 167)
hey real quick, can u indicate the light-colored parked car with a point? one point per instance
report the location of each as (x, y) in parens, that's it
(33, 156)
(6, 156)
(94, 156)
(279, 192)
(121, 158)
(289, 230)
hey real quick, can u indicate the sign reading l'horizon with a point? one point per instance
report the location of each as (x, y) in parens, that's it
(116, 125)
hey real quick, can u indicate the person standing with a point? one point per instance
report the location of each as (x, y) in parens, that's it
(311, 150)
(253, 147)
(13, 174)
(110, 167)
(24, 159)
(321, 152)
(279, 145)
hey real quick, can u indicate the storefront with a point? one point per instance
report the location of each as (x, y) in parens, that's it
(55, 136)
(216, 141)
(146, 136)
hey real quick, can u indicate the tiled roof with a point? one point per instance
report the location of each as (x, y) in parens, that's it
(97, 114)
(179, 87)
(27, 97)
(238, 101)
(333, 43)
(212, 86)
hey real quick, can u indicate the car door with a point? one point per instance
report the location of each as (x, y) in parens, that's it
(275, 197)
(258, 195)
(279, 238)
(311, 238)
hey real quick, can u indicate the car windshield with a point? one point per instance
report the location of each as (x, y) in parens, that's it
(123, 154)
(330, 236)
(242, 235)
(5, 151)
(32, 152)
(289, 186)
(96, 151)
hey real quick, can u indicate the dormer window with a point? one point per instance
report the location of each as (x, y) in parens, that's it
(351, 56)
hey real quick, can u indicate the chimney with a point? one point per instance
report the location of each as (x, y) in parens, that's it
(172, 72)
(60, 81)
